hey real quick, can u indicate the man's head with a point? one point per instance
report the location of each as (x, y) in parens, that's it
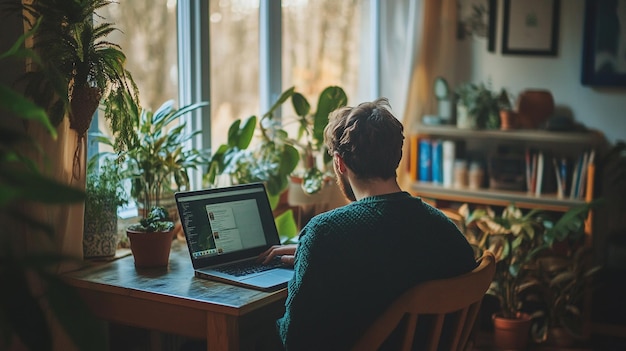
(368, 138)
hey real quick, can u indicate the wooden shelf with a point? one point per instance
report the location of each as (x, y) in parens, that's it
(494, 197)
(524, 135)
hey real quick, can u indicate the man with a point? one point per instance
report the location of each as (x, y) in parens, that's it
(353, 261)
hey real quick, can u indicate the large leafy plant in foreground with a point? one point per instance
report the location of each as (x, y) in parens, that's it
(28, 280)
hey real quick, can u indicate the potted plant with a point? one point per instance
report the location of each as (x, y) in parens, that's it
(157, 161)
(104, 194)
(477, 107)
(151, 239)
(79, 66)
(556, 288)
(518, 240)
(508, 117)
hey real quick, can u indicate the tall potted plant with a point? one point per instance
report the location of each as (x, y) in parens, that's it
(518, 240)
(158, 161)
(104, 194)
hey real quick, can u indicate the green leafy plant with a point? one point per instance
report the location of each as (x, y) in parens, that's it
(517, 240)
(31, 289)
(481, 103)
(158, 161)
(157, 220)
(278, 155)
(511, 237)
(79, 66)
(555, 287)
(104, 188)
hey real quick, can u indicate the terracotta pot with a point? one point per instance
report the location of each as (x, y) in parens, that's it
(534, 108)
(508, 119)
(150, 250)
(511, 334)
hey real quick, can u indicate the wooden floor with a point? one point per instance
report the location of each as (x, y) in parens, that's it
(483, 342)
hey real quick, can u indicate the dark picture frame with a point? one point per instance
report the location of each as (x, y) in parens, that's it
(493, 22)
(530, 27)
(600, 64)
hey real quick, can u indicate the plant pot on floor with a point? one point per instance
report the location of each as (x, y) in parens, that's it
(150, 249)
(511, 333)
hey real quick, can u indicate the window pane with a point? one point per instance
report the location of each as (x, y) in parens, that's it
(148, 38)
(321, 40)
(234, 36)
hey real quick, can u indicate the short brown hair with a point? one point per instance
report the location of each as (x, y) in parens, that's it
(368, 137)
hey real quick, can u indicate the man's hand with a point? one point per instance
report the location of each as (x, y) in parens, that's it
(286, 252)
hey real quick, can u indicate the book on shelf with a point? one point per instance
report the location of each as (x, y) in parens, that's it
(414, 157)
(539, 174)
(449, 155)
(425, 160)
(437, 161)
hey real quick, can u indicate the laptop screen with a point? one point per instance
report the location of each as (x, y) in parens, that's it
(225, 224)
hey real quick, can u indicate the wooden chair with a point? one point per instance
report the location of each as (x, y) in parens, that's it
(459, 298)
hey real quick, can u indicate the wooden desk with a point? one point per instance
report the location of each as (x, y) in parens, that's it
(172, 300)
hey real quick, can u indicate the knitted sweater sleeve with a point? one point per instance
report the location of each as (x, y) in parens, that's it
(306, 289)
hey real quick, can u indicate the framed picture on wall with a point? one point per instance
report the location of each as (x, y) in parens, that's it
(604, 43)
(530, 27)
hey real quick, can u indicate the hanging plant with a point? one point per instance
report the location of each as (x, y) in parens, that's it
(79, 67)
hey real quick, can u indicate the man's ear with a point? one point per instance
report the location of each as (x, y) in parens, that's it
(340, 165)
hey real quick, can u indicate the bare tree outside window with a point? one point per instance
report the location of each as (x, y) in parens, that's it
(148, 38)
(321, 45)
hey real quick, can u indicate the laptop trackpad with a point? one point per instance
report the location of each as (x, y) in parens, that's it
(270, 278)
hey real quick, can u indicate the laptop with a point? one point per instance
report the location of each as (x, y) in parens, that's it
(226, 229)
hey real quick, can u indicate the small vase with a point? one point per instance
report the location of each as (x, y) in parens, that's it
(464, 120)
(150, 250)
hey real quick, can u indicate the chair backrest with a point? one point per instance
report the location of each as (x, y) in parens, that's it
(458, 298)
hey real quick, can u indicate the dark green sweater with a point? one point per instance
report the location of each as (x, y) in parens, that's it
(353, 261)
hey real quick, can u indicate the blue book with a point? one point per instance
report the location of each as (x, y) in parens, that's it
(437, 161)
(425, 165)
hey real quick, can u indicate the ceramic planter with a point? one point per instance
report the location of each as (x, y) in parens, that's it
(100, 234)
(150, 250)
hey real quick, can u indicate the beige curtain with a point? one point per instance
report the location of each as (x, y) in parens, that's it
(57, 162)
(67, 220)
(436, 56)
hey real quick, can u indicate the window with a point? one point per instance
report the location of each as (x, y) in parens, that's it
(256, 49)
(239, 54)
(147, 35)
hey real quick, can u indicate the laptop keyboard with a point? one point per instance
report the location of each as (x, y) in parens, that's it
(239, 269)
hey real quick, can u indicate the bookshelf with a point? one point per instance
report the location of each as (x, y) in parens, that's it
(484, 142)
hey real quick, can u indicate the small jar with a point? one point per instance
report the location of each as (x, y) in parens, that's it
(475, 175)
(460, 173)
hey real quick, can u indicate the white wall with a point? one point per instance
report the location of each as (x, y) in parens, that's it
(603, 109)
